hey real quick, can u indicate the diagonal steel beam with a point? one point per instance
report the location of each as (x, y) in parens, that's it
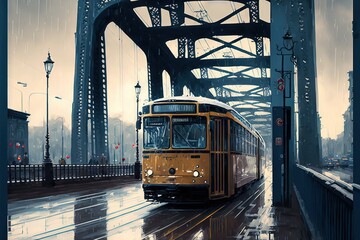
(166, 33)
(226, 62)
(219, 82)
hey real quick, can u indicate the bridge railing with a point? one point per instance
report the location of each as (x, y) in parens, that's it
(34, 173)
(326, 204)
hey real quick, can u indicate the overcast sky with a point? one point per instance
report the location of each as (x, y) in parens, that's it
(334, 61)
(39, 26)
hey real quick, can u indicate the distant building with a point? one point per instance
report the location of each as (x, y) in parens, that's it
(18, 135)
(348, 121)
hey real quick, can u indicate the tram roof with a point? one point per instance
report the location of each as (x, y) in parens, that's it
(202, 100)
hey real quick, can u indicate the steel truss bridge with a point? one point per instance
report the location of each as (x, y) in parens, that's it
(233, 67)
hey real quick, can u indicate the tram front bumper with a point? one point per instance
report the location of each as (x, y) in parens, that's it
(176, 192)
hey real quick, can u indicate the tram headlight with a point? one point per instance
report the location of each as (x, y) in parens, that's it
(149, 172)
(196, 173)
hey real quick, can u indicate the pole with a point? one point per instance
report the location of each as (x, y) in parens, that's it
(30, 99)
(285, 168)
(114, 142)
(122, 144)
(62, 138)
(21, 98)
(47, 146)
(48, 180)
(22, 101)
(137, 130)
(137, 163)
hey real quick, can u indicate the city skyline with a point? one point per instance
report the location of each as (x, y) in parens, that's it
(36, 28)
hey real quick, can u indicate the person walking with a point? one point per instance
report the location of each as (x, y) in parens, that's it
(25, 159)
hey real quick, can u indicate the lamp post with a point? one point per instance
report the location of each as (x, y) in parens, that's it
(62, 131)
(48, 166)
(34, 93)
(137, 162)
(62, 137)
(283, 121)
(115, 145)
(22, 100)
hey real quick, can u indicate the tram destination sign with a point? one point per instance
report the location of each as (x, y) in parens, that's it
(174, 108)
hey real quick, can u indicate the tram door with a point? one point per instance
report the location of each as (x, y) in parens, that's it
(219, 156)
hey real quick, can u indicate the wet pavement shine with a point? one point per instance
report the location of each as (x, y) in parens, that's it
(117, 210)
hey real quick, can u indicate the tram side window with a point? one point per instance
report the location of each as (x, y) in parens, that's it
(236, 137)
(156, 132)
(233, 136)
(189, 132)
(251, 144)
(254, 144)
(242, 139)
(225, 137)
(247, 142)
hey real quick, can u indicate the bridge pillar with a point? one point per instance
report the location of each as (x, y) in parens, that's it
(356, 119)
(89, 137)
(4, 113)
(302, 21)
(283, 139)
(155, 78)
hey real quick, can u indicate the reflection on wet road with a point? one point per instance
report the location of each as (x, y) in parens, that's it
(123, 214)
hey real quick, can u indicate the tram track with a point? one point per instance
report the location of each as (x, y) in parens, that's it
(115, 214)
(190, 224)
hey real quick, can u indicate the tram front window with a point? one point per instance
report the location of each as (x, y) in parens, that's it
(156, 132)
(189, 132)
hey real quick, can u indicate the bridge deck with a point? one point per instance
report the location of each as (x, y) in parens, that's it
(115, 208)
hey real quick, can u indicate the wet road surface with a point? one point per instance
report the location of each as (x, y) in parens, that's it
(122, 213)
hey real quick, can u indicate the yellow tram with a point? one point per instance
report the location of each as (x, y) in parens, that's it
(197, 149)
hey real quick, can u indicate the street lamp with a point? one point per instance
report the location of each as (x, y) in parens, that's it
(62, 137)
(283, 86)
(116, 146)
(137, 162)
(23, 85)
(34, 93)
(48, 166)
(62, 131)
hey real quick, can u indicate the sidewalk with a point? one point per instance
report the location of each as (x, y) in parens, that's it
(28, 191)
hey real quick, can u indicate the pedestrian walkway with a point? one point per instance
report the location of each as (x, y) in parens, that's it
(30, 191)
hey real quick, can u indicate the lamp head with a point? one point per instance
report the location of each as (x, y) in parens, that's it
(288, 41)
(137, 89)
(48, 64)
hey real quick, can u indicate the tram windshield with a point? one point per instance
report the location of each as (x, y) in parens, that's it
(156, 132)
(189, 132)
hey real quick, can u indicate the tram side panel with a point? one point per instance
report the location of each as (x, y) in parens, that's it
(245, 170)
